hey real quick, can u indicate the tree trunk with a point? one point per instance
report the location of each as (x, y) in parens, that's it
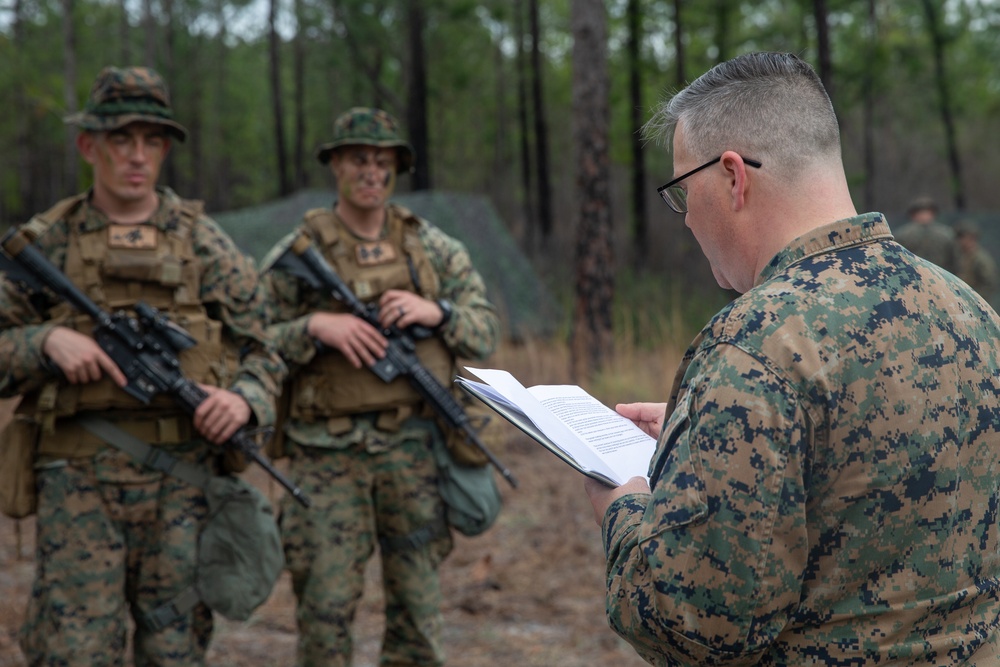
(284, 185)
(220, 165)
(149, 27)
(640, 234)
(820, 14)
(524, 130)
(541, 129)
(591, 344)
(26, 191)
(124, 45)
(679, 45)
(301, 178)
(170, 170)
(416, 103)
(938, 41)
(868, 94)
(71, 161)
(723, 14)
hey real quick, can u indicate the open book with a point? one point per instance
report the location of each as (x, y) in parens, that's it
(570, 423)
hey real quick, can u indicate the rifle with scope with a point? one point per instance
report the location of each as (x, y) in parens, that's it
(144, 346)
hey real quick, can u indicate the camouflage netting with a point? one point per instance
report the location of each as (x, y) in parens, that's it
(526, 306)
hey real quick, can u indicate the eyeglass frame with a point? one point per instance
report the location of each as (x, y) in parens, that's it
(663, 188)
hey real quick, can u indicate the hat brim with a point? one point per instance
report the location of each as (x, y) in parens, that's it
(403, 150)
(96, 123)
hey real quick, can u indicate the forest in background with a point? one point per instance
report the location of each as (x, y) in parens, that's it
(535, 104)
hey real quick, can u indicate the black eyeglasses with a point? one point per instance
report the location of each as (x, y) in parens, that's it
(676, 196)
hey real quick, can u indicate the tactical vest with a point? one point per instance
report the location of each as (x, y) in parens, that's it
(330, 388)
(118, 266)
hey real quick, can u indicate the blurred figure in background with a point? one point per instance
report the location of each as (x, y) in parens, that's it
(974, 265)
(923, 235)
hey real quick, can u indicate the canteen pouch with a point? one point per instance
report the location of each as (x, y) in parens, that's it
(239, 549)
(239, 555)
(470, 493)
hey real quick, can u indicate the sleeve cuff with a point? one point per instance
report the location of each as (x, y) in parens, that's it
(622, 517)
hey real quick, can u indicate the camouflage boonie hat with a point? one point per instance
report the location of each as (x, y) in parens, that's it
(367, 126)
(127, 95)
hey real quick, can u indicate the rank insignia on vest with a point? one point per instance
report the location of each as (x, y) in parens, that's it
(138, 237)
(377, 252)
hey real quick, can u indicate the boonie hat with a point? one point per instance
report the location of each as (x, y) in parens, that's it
(123, 95)
(367, 126)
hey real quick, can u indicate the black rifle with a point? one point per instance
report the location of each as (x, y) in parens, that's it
(304, 261)
(144, 347)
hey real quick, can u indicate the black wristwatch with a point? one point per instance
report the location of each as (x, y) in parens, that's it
(446, 312)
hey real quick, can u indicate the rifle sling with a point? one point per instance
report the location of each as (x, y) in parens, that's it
(157, 459)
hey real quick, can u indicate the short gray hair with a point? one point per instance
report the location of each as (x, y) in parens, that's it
(765, 106)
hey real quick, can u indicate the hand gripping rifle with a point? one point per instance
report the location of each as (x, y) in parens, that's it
(304, 261)
(145, 347)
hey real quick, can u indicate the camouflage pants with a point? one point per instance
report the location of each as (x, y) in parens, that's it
(113, 538)
(361, 498)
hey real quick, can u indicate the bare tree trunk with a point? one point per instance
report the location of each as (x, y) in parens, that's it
(196, 136)
(591, 344)
(300, 97)
(124, 45)
(640, 235)
(501, 152)
(22, 118)
(541, 128)
(416, 103)
(723, 14)
(218, 164)
(169, 71)
(868, 94)
(820, 14)
(939, 43)
(524, 130)
(679, 45)
(149, 27)
(71, 162)
(284, 185)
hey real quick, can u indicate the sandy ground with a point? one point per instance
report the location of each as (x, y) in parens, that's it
(529, 592)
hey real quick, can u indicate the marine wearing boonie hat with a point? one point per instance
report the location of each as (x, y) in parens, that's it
(123, 95)
(367, 126)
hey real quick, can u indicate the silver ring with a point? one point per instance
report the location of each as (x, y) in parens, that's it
(402, 311)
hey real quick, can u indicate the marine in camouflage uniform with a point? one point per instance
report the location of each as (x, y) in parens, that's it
(824, 489)
(974, 265)
(923, 235)
(359, 447)
(114, 537)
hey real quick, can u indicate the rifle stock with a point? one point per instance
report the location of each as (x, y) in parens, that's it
(144, 348)
(304, 261)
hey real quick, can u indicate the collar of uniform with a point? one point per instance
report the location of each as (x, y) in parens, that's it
(860, 229)
(382, 234)
(165, 218)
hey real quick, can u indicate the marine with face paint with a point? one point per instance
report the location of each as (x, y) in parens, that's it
(360, 446)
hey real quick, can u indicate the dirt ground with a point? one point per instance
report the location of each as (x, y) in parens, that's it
(529, 592)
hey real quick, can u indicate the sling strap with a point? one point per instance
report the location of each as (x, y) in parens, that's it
(157, 459)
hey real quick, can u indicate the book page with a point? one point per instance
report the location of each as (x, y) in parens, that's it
(620, 443)
(594, 435)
